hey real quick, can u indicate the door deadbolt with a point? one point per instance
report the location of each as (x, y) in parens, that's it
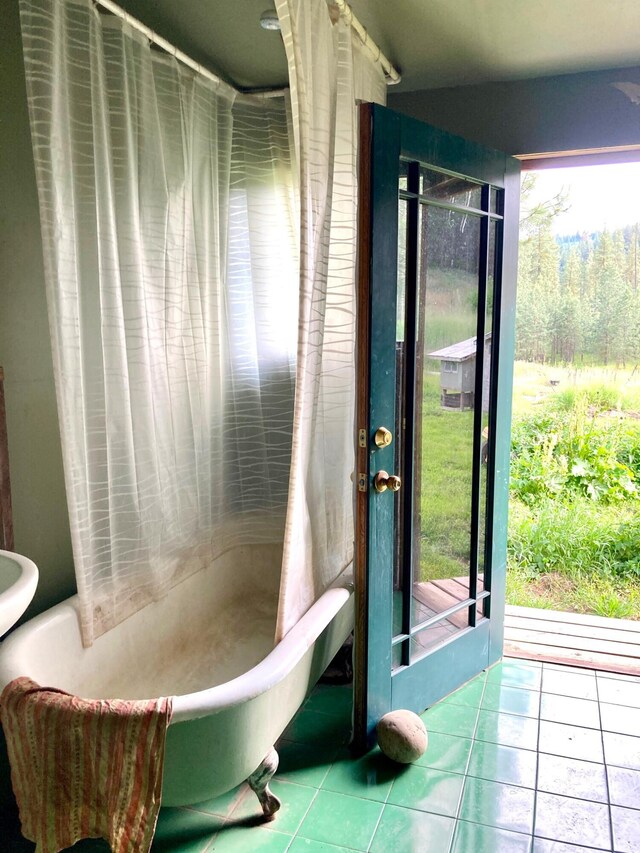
(383, 437)
(383, 481)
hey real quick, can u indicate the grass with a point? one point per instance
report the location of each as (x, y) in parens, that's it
(579, 558)
(560, 591)
(534, 385)
(446, 446)
(445, 488)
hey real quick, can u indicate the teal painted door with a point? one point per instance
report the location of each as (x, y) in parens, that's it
(439, 218)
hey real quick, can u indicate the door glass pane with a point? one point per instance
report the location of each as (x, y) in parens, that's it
(403, 177)
(486, 400)
(398, 433)
(437, 633)
(449, 188)
(449, 257)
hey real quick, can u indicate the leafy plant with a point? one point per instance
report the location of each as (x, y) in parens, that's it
(567, 452)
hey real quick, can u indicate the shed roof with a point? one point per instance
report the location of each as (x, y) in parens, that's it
(460, 351)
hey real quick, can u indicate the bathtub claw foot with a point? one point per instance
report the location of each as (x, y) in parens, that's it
(259, 783)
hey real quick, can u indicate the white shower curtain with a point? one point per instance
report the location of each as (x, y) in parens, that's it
(328, 72)
(169, 231)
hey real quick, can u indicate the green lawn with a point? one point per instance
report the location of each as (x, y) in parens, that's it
(445, 505)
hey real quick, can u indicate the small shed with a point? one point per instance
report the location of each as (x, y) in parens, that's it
(458, 373)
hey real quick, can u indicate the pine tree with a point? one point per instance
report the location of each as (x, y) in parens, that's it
(539, 321)
(578, 295)
(610, 299)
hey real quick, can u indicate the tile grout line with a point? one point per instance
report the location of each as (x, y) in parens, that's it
(606, 768)
(318, 788)
(228, 818)
(375, 829)
(535, 786)
(467, 763)
(208, 845)
(302, 820)
(384, 806)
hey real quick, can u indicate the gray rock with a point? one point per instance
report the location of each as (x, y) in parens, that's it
(402, 736)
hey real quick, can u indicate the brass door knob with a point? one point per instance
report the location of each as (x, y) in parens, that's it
(383, 481)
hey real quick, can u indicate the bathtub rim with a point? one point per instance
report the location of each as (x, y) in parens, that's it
(260, 678)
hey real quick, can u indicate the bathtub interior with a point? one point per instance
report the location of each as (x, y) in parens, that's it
(211, 628)
(212, 753)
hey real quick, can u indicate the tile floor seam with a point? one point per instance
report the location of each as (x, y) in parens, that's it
(209, 845)
(501, 828)
(606, 774)
(456, 819)
(581, 846)
(195, 809)
(304, 816)
(420, 811)
(384, 805)
(537, 774)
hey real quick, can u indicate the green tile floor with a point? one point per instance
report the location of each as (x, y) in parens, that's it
(526, 758)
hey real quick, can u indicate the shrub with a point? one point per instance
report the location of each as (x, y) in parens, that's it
(574, 526)
(564, 453)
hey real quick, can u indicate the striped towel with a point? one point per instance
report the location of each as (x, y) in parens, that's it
(84, 768)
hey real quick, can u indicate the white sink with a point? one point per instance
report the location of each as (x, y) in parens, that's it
(18, 582)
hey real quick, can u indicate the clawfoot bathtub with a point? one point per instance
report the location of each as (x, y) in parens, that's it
(209, 643)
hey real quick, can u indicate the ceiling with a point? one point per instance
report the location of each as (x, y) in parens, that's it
(434, 43)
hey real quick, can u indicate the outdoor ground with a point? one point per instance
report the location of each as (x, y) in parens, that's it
(569, 551)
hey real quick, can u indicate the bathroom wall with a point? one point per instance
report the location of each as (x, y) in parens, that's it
(564, 113)
(39, 504)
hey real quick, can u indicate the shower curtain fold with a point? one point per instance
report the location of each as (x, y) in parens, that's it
(328, 74)
(199, 253)
(168, 223)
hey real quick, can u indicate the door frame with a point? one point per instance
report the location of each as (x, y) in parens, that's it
(372, 649)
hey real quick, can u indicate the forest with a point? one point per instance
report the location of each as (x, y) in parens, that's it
(578, 300)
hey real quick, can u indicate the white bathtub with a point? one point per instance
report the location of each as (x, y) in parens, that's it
(209, 644)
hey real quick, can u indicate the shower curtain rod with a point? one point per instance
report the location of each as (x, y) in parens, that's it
(184, 58)
(390, 71)
(391, 74)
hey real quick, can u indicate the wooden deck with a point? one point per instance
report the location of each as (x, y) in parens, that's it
(438, 595)
(593, 642)
(433, 597)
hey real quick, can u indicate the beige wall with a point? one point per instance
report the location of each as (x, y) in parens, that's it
(573, 111)
(39, 504)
